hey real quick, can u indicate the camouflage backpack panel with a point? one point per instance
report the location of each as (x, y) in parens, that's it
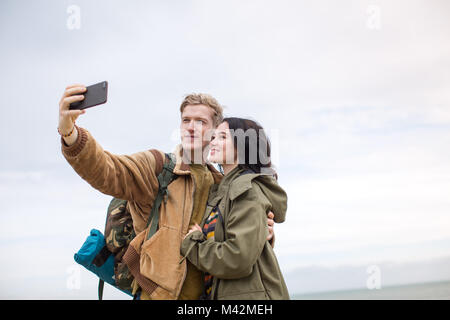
(119, 229)
(119, 232)
(124, 278)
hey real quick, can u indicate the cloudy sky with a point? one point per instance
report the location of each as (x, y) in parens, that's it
(354, 94)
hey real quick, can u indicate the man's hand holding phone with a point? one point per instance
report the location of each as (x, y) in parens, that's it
(75, 100)
(67, 117)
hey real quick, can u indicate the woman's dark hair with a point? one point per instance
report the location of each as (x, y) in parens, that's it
(252, 145)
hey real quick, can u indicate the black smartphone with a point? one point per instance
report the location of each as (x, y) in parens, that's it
(93, 96)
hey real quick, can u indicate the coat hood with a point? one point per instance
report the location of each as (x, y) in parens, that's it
(269, 187)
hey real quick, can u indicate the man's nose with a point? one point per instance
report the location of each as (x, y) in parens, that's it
(191, 125)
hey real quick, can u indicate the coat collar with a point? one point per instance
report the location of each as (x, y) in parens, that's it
(182, 168)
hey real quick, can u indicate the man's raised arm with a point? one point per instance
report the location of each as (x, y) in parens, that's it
(128, 177)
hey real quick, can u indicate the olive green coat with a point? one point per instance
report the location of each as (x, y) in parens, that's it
(239, 257)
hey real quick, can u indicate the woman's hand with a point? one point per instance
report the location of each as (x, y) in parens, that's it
(270, 224)
(192, 229)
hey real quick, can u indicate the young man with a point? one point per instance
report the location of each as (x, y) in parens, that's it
(154, 263)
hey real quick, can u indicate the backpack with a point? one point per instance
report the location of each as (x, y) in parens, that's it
(102, 255)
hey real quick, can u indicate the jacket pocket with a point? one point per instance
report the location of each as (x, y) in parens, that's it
(160, 257)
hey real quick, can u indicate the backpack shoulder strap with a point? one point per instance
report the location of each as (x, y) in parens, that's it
(165, 177)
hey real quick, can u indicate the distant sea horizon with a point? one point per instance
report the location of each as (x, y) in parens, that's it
(435, 290)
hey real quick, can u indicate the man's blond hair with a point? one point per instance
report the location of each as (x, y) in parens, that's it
(207, 100)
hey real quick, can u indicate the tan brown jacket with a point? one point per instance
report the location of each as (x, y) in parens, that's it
(155, 263)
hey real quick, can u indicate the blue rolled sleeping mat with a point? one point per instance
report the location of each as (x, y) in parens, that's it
(94, 256)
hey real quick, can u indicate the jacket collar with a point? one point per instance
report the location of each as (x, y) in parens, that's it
(182, 168)
(228, 178)
(242, 184)
(234, 184)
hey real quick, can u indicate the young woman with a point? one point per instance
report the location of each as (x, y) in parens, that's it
(230, 246)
